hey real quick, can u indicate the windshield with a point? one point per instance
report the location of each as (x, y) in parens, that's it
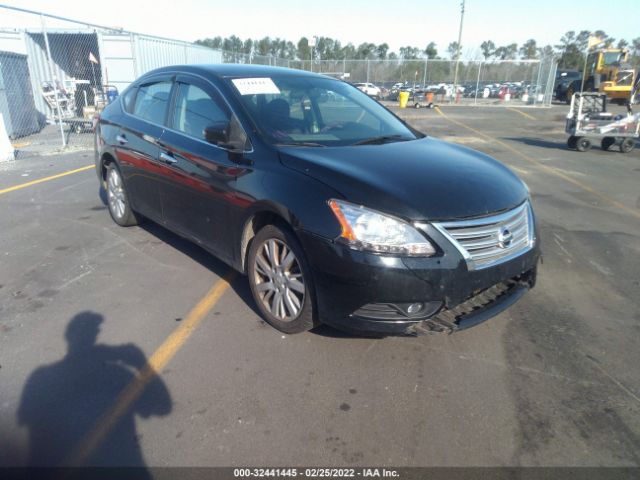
(310, 111)
(612, 58)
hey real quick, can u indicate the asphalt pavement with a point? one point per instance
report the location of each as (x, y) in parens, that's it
(85, 305)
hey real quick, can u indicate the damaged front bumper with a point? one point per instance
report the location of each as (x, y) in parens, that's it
(359, 291)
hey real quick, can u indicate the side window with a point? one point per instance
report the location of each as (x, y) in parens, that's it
(152, 101)
(128, 98)
(194, 110)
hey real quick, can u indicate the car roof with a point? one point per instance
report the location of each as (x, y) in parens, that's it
(231, 70)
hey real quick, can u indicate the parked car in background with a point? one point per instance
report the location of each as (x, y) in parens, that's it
(473, 92)
(513, 91)
(564, 78)
(337, 211)
(370, 89)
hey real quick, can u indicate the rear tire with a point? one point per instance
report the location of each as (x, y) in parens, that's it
(118, 198)
(627, 145)
(280, 280)
(583, 144)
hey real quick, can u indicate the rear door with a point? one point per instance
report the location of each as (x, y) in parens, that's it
(198, 193)
(137, 144)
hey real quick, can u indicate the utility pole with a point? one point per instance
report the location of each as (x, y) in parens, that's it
(312, 44)
(455, 75)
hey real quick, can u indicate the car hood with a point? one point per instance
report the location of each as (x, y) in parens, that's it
(425, 179)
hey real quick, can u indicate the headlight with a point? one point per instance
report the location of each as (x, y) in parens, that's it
(365, 229)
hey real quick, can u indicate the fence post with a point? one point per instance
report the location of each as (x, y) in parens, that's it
(368, 62)
(538, 80)
(53, 80)
(475, 100)
(548, 95)
(424, 79)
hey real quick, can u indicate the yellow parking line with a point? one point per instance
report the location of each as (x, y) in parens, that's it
(524, 114)
(547, 168)
(161, 357)
(45, 179)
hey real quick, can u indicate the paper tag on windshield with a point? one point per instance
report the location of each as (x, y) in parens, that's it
(255, 86)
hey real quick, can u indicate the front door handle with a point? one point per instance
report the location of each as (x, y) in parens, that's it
(168, 158)
(121, 139)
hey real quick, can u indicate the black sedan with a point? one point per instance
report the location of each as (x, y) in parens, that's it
(336, 210)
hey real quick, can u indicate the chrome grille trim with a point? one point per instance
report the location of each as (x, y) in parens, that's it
(479, 239)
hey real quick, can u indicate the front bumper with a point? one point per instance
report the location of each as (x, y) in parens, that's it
(346, 280)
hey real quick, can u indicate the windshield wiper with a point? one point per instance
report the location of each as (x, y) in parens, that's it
(299, 144)
(381, 139)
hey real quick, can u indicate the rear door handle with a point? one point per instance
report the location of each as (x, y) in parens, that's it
(168, 158)
(121, 139)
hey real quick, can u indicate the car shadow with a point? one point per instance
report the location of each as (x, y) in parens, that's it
(240, 284)
(63, 402)
(331, 332)
(537, 142)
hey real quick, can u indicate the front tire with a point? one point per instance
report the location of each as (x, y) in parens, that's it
(118, 199)
(583, 144)
(280, 280)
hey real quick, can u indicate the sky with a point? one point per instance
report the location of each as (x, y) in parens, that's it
(408, 22)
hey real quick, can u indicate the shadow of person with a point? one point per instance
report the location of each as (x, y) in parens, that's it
(62, 402)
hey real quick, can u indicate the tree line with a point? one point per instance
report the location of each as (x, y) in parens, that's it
(570, 49)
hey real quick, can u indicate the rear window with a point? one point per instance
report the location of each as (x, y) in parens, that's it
(128, 98)
(151, 102)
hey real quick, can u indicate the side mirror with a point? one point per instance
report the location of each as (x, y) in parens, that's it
(217, 133)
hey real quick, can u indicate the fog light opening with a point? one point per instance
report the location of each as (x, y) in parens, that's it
(398, 311)
(414, 308)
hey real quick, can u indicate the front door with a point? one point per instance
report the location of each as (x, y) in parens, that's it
(197, 191)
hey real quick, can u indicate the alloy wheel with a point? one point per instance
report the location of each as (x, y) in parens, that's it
(279, 282)
(115, 194)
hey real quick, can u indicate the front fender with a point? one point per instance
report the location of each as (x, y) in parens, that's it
(301, 201)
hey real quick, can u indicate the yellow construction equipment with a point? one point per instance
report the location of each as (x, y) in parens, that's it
(611, 73)
(608, 72)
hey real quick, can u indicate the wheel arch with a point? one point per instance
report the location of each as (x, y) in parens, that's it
(262, 214)
(105, 160)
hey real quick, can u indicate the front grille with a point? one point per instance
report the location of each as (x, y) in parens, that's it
(487, 241)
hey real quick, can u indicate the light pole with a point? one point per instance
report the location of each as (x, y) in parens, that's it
(312, 43)
(455, 75)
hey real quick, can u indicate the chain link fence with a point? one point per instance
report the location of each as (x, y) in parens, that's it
(57, 74)
(506, 82)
